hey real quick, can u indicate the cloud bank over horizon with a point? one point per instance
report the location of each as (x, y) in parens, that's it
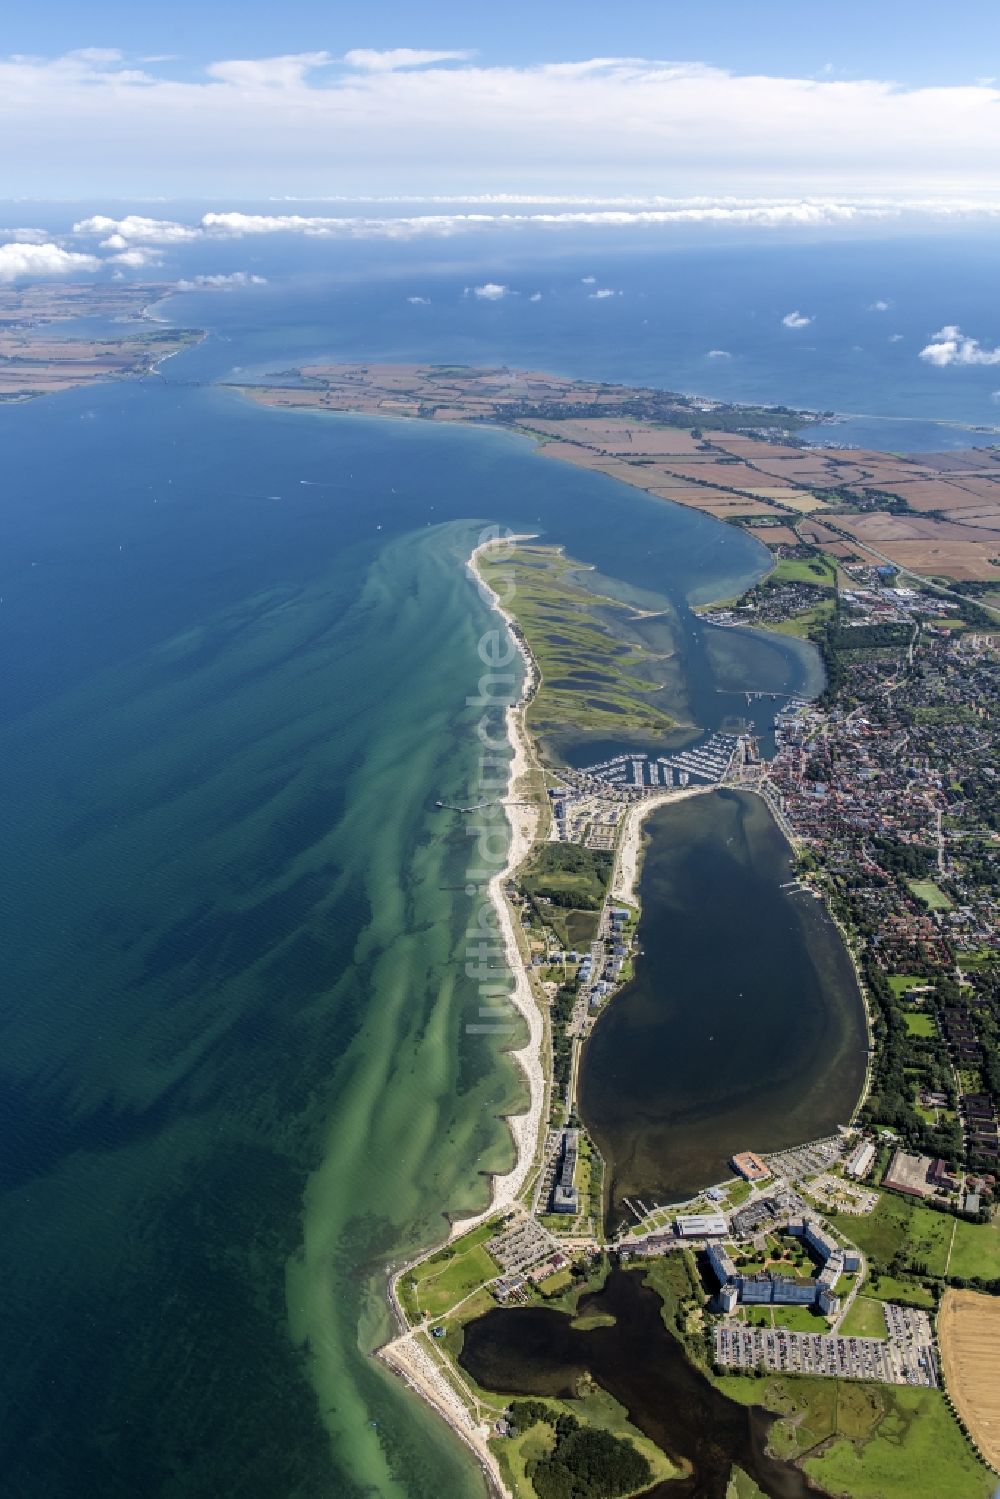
(95, 121)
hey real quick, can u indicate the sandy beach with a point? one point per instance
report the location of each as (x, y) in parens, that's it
(404, 1354)
(416, 1367)
(523, 819)
(628, 861)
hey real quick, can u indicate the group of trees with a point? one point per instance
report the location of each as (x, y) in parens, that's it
(585, 1463)
(562, 1046)
(911, 860)
(899, 1056)
(570, 876)
(835, 642)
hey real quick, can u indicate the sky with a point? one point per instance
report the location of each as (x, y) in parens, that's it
(917, 42)
(569, 99)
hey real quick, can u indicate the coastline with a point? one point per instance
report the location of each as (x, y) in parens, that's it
(522, 819)
(629, 854)
(411, 1355)
(406, 1357)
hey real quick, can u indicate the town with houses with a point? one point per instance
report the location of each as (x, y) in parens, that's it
(829, 1260)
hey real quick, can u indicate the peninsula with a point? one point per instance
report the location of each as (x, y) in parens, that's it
(828, 1259)
(935, 516)
(803, 1289)
(39, 357)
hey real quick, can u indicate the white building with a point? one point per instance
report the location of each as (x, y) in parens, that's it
(702, 1226)
(859, 1162)
(721, 1264)
(729, 1296)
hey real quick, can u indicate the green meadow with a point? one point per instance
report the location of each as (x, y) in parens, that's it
(867, 1441)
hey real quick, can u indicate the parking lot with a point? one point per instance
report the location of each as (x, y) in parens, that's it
(805, 1160)
(521, 1244)
(905, 1357)
(838, 1196)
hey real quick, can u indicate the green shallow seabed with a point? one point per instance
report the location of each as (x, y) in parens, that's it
(235, 1072)
(238, 749)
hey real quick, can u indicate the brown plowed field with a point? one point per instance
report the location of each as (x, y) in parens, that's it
(969, 1335)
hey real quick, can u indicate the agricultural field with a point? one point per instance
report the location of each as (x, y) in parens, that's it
(874, 1441)
(647, 438)
(596, 676)
(969, 1335)
(816, 570)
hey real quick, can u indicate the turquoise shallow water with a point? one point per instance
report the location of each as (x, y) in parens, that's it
(237, 1079)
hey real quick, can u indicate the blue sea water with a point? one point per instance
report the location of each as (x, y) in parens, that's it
(235, 651)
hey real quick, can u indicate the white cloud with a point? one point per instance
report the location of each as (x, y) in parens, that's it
(221, 281)
(120, 233)
(371, 61)
(25, 236)
(285, 73)
(796, 319)
(589, 280)
(718, 354)
(602, 293)
(406, 120)
(18, 260)
(135, 229)
(880, 306)
(138, 257)
(420, 301)
(491, 291)
(536, 296)
(895, 338)
(949, 345)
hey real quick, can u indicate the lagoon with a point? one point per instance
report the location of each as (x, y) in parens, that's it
(743, 1028)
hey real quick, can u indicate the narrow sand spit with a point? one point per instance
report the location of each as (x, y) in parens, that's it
(404, 1354)
(523, 819)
